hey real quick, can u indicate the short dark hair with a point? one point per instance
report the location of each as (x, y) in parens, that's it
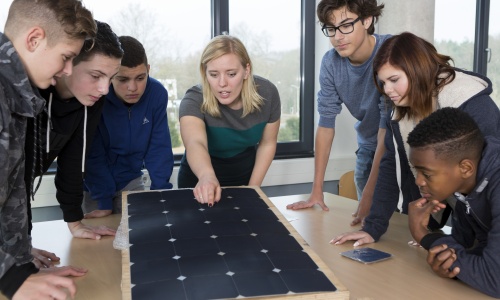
(135, 54)
(363, 8)
(60, 19)
(451, 133)
(106, 43)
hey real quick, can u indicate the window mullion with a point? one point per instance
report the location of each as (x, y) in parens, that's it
(220, 17)
(481, 36)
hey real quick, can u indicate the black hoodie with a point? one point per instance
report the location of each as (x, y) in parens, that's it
(67, 127)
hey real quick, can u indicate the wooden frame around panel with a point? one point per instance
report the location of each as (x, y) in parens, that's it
(340, 293)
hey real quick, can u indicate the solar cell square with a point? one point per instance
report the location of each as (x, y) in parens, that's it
(154, 270)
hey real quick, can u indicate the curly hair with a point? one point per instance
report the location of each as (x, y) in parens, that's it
(451, 133)
(362, 8)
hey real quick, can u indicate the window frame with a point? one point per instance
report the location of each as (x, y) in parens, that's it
(481, 36)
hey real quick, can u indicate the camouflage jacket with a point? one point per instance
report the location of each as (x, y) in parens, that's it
(19, 100)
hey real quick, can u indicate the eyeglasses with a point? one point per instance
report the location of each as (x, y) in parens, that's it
(330, 30)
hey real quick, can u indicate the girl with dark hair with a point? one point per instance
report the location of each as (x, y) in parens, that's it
(417, 80)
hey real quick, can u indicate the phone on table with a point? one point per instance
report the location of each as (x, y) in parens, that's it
(366, 255)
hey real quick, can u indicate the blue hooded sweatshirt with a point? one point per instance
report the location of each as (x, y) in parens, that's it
(128, 139)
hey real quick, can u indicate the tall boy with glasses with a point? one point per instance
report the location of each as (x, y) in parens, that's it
(346, 77)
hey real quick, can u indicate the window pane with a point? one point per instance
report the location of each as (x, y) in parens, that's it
(273, 42)
(493, 65)
(173, 45)
(454, 27)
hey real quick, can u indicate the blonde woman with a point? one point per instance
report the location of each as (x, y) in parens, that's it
(229, 123)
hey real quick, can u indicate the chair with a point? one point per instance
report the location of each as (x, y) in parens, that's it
(347, 187)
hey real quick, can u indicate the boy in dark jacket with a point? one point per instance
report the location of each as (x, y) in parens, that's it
(452, 157)
(40, 42)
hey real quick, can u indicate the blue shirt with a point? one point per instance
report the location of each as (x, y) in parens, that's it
(342, 82)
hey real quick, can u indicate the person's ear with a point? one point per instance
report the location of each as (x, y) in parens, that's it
(247, 71)
(149, 67)
(34, 38)
(467, 168)
(367, 22)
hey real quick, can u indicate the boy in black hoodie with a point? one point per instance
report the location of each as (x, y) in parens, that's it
(453, 158)
(64, 130)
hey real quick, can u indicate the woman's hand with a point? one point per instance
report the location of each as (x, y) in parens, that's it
(207, 190)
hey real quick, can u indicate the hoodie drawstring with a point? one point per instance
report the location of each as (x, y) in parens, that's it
(84, 139)
(37, 148)
(49, 123)
(37, 145)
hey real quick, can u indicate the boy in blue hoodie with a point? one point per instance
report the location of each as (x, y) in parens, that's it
(133, 133)
(453, 158)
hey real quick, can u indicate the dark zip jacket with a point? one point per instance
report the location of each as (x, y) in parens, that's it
(475, 232)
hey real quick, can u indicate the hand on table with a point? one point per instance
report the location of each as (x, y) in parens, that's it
(310, 202)
(414, 244)
(361, 213)
(360, 238)
(80, 230)
(419, 212)
(207, 190)
(364, 206)
(97, 214)
(44, 259)
(50, 283)
(441, 258)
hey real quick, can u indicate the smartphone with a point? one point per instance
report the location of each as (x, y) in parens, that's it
(366, 255)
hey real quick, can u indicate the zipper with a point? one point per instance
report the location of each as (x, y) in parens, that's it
(469, 210)
(129, 113)
(467, 207)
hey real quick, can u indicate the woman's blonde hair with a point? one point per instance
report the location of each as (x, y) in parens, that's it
(217, 47)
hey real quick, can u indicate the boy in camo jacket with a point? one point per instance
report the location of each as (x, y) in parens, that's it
(40, 40)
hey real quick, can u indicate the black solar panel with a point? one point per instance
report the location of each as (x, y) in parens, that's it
(181, 249)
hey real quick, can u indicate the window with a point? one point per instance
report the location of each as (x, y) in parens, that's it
(474, 40)
(454, 31)
(174, 39)
(493, 50)
(281, 46)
